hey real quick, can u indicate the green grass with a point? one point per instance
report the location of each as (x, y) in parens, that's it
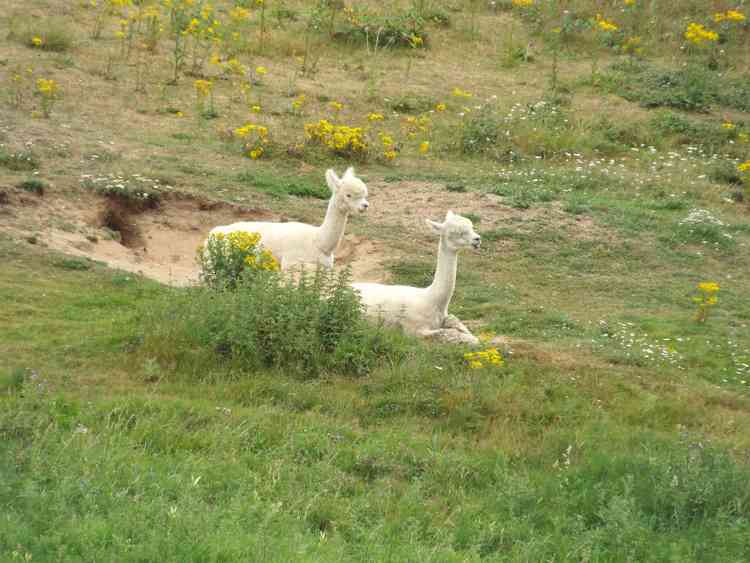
(144, 423)
(280, 186)
(111, 451)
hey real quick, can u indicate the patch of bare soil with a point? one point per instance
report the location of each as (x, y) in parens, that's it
(159, 242)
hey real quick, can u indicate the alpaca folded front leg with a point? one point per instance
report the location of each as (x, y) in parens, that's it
(449, 335)
(451, 321)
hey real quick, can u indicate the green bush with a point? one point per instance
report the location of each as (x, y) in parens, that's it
(692, 88)
(34, 186)
(55, 35)
(19, 161)
(306, 327)
(225, 258)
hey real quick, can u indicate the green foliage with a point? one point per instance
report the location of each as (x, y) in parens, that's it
(377, 31)
(136, 192)
(225, 258)
(18, 161)
(725, 172)
(692, 88)
(280, 186)
(79, 264)
(310, 326)
(33, 186)
(412, 104)
(56, 34)
(709, 135)
(480, 133)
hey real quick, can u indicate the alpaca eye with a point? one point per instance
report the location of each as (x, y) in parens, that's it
(348, 195)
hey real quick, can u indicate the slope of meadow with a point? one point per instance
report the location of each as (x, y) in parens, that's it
(601, 150)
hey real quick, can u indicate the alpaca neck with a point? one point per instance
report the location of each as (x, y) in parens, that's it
(332, 229)
(444, 283)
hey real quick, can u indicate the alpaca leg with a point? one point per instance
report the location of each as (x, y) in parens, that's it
(451, 321)
(449, 335)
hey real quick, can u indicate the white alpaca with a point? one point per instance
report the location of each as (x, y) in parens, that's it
(424, 311)
(297, 243)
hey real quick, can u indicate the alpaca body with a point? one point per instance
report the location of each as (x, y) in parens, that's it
(291, 243)
(298, 243)
(424, 311)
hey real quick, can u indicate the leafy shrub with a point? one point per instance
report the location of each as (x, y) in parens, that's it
(136, 192)
(306, 327)
(33, 185)
(725, 173)
(480, 133)
(19, 161)
(704, 134)
(412, 103)
(692, 88)
(224, 258)
(47, 34)
(377, 31)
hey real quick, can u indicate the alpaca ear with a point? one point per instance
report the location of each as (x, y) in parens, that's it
(349, 172)
(449, 214)
(332, 180)
(437, 228)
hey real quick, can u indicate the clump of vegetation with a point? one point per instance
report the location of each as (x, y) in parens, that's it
(279, 186)
(308, 327)
(46, 34)
(19, 161)
(225, 258)
(692, 88)
(33, 186)
(138, 192)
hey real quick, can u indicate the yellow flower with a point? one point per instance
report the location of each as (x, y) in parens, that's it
(744, 137)
(728, 125)
(744, 167)
(178, 114)
(259, 2)
(375, 117)
(629, 2)
(708, 287)
(261, 70)
(415, 41)
(37, 41)
(523, 3)
(256, 153)
(459, 93)
(203, 87)
(46, 87)
(440, 107)
(336, 106)
(389, 155)
(424, 146)
(605, 25)
(697, 34)
(729, 15)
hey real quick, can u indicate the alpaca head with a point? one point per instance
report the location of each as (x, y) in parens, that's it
(456, 232)
(349, 192)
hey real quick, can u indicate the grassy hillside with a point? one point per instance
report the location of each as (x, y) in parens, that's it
(598, 147)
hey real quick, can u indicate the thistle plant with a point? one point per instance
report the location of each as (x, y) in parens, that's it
(705, 299)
